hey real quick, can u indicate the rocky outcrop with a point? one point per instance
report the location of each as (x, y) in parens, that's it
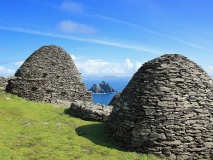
(166, 109)
(49, 75)
(90, 111)
(3, 83)
(103, 87)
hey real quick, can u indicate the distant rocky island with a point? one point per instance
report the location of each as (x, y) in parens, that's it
(103, 87)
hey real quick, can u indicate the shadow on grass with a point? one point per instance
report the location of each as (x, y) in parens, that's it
(96, 134)
(67, 111)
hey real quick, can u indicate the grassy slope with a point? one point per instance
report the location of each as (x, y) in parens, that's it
(30, 130)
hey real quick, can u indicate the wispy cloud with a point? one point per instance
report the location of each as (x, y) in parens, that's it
(67, 5)
(97, 67)
(74, 27)
(71, 6)
(89, 40)
(150, 31)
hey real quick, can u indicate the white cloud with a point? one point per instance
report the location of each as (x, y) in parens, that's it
(138, 65)
(209, 70)
(92, 67)
(97, 67)
(18, 64)
(128, 63)
(71, 6)
(74, 27)
(6, 72)
(73, 57)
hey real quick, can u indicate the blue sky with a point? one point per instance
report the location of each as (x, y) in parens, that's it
(106, 38)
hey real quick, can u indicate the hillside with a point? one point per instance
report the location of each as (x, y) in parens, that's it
(32, 130)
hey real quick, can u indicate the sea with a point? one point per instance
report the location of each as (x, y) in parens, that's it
(117, 84)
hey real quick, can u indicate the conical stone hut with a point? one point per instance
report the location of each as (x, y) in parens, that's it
(49, 75)
(166, 109)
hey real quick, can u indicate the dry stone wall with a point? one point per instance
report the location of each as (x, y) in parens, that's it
(166, 109)
(49, 75)
(3, 82)
(90, 111)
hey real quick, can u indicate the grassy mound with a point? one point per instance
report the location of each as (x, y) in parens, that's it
(37, 131)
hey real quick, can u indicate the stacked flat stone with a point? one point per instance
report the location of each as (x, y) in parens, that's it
(48, 75)
(166, 109)
(3, 83)
(89, 111)
(114, 99)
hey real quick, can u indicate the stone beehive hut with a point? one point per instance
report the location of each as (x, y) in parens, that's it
(49, 75)
(166, 109)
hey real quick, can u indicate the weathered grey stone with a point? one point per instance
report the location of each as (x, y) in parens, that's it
(172, 143)
(49, 75)
(3, 83)
(90, 111)
(114, 99)
(208, 144)
(169, 101)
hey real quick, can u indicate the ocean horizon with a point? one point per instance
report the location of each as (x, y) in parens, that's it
(117, 84)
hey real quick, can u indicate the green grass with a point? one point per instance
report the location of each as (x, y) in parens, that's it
(37, 131)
